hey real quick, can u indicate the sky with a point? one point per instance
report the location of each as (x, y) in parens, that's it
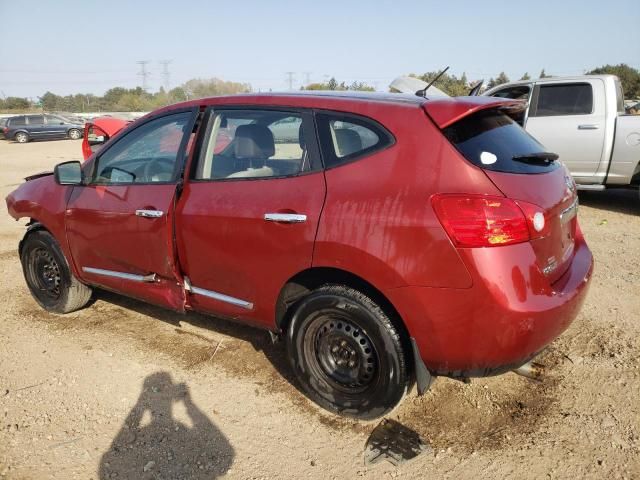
(89, 46)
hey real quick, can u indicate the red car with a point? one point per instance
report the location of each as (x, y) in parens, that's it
(389, 238)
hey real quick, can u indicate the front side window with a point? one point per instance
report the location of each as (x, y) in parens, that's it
(51, 120)
(520, 92)
(35, 119)
(254, 144)
(147, 154)
(345, 138)
(565, 99)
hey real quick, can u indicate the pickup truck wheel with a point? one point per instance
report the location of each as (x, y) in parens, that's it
(74, 134)
(21, 137)
(48, 276)
(346, 353)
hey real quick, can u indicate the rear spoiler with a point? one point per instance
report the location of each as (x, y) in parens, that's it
(445, 112)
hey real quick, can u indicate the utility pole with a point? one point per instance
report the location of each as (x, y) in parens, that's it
(290, 79)
(165, 74)
(143, 73)
(307, 78)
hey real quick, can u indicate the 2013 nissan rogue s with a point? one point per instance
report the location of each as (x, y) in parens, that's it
(389, 238)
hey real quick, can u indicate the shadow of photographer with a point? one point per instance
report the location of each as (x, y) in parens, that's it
(166, 436)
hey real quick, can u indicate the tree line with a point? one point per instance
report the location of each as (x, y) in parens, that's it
(137, 100)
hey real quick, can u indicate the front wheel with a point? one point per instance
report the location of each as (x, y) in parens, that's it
(74, 134)
(51, 282)
(346, 353)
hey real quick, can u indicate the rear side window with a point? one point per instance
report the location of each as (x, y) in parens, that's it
(36, 120)
(519, 92)
(490, 140)
(17, 121)
(566, 99)
(346, 138)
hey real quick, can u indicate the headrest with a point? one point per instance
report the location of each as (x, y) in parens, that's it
(254, 141)
(348, 141)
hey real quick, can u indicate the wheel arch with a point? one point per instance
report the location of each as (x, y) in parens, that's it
(301, 284)
(13, 135)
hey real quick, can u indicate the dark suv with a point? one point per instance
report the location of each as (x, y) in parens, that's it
(23, 128)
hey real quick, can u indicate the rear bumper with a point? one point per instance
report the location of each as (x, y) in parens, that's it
(507, 317)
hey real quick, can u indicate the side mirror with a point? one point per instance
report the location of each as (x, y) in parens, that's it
(68, 173)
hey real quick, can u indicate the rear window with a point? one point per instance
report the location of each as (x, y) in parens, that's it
(490, 140)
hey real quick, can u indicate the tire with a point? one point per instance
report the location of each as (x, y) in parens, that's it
(346, 353)
(46, 270)
(74, 134)
(21, 137)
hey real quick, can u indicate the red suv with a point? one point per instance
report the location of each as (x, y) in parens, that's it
(387, 237)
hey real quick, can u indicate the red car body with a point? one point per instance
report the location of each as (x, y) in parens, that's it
(383, 220)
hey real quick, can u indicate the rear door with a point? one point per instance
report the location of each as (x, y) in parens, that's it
(568, 119)
(120, 224)
(36, 126)
(247, 217)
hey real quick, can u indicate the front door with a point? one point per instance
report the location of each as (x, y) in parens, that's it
(247, 218)
(568, 119)
(37, 127)
(120, 224)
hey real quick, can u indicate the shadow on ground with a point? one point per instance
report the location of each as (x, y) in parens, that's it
(155, 443)
(619, 200)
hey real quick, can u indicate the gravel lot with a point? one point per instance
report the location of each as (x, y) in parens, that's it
(125, 390)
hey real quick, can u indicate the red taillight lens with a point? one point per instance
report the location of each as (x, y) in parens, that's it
(5, 130)
(486, 221)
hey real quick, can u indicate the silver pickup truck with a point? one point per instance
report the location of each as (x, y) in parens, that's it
(582, 119)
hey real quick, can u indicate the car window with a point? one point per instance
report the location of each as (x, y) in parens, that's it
(17, 121)
(146, 154)
(565, 99)
(519, 92)
(51, 120)
(344, 138)
(243, 144)
(35, 119)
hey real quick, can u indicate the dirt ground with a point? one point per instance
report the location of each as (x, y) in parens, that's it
(125, 390)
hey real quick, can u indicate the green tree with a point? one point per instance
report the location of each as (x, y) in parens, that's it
(543, 74)
(525, 76)
(499, 80)
(449, 84)
(629, 77)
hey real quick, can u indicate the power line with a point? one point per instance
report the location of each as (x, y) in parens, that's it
(290, 79)
(143, 73)
(165, 74)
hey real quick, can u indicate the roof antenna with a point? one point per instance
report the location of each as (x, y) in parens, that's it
(423, 92)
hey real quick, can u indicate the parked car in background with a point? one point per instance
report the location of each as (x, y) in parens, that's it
(391, 239)
(3, 123)
(583, 120)
(23, 128)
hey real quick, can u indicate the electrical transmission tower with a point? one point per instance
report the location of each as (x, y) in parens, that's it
(290, 79)
(165, 74)
(144, 74)
(307, 78)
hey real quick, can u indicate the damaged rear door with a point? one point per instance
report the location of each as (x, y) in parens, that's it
(119, 224)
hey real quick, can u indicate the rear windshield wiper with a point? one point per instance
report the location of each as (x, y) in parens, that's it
(537, 157)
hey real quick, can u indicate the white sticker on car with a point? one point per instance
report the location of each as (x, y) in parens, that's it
(488, 158)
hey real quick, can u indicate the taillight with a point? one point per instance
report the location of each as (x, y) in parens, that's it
(5, 130)
(488, 221)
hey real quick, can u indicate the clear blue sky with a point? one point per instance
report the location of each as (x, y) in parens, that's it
(89, 46)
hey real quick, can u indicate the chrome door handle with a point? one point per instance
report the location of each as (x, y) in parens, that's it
(285, 217)
(149, 213)
(588, 127)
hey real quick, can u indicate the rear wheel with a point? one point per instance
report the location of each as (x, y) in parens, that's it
(74, 134)
(48, 276)
(346, 353)
(21, 137)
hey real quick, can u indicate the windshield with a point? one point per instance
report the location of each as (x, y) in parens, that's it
(493, 141)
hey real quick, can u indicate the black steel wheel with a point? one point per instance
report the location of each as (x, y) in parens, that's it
(346, 353)
(51, 282)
